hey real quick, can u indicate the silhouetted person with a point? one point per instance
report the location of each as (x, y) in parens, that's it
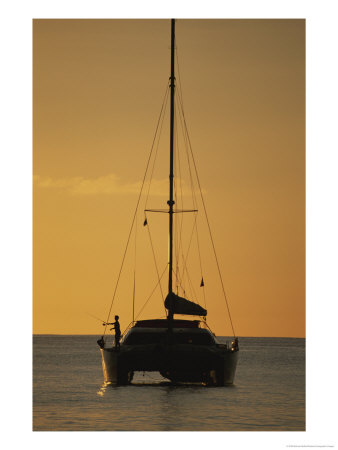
(101, 342)
(116, 326)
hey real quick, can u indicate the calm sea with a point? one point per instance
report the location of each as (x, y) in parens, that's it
(69, 393)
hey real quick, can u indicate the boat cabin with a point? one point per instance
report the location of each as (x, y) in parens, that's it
(156, 332)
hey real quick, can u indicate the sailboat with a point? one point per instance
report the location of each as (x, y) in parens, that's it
(181, 350)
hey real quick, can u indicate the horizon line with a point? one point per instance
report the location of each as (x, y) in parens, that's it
(98, 334)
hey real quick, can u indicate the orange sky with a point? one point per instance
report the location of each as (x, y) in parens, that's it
(98, 88)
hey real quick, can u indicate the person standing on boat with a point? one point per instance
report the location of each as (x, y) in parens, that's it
(116, 326)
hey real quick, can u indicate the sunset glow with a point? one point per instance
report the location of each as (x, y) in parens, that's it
(98, 88)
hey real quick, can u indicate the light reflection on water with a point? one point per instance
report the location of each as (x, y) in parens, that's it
(69, 393)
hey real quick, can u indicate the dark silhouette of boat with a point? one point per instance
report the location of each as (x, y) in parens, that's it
(181, 350)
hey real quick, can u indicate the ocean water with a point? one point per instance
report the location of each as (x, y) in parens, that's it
(69, 393)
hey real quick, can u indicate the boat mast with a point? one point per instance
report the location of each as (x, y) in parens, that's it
(171, 175)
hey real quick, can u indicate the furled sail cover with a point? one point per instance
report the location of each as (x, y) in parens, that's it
(179, 305)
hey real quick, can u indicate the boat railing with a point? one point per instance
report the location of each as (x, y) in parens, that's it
(109, 340)
(132, 323)
(229, 344)
(203, 324)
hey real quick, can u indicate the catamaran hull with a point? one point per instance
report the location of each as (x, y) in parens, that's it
(109, 365)
(211, 366)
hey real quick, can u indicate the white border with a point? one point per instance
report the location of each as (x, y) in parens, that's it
(322, 224)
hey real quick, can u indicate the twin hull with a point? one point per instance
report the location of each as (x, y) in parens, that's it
(213, 365)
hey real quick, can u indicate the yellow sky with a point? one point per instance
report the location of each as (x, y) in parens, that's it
(98, 88)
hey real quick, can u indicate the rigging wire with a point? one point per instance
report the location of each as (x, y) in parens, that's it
(200, 260)
(180, 97)
(191, 286)
(179, 228)
(152, 292)
(208, 223)
(164, 109)
(152, 248)
(179, 77)
(179, 246)
(181, 114)
(178, 201)
(134, 286)
(185, 260)
(136, 209)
